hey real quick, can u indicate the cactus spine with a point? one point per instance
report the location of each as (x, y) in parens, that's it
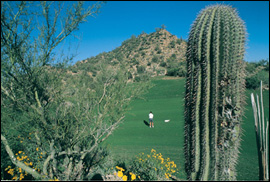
(214, 94)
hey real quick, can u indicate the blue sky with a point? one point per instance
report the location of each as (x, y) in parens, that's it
(119, 20)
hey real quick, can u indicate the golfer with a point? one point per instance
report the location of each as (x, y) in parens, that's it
(151, 116)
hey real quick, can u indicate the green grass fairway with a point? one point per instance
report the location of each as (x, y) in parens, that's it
(166, 101)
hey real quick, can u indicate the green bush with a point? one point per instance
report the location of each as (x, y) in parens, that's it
(137, 79)
(140, 69)
(129, 75)
(155, 59)
(163, 64)
(172, 72)
(253, 82)
(172, 44)
(152, 166)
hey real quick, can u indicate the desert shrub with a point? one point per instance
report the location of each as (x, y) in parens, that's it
(163, 64)
(146, 167)
(140, 69)
(129, 75)
(257, 71)
(153, 166)
(173, 56)
(143, 54)
(173, 72)
(172, 44)
(137, 79)
(253, 82)
(155, 59)
(182, 71)
(135, 62)
(179, 41)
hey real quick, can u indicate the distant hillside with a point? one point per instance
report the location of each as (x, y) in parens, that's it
(157, 53)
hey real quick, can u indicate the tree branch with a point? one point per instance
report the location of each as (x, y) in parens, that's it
(29, 170)
(46, 163)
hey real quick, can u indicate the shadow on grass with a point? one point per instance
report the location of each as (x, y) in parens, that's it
(146, 123)
(97, 177)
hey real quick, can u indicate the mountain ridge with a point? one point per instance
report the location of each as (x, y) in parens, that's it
(157, 53)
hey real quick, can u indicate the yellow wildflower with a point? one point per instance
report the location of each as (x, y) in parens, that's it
(133, 177)
(11, 172)
(21, 176)
(124, 178)
(120, 174)
(20, 152)
(37, 149)
(162, 160)
(120, 168)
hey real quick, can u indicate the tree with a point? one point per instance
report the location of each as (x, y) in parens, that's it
(57, 122)
(163, 27)
(157, 29)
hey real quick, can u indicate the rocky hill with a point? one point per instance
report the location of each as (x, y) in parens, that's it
(157, 53)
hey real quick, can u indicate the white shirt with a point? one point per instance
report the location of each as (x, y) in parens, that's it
(151, 116)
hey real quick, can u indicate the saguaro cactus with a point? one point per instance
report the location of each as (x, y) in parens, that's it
(214, 94)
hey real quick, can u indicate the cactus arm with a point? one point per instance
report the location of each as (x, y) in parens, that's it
(191, 135)
(213, 100)
(207, 90)
(198, 158)
(196, 140)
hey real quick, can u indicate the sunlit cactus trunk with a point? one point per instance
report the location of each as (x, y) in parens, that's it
(214, 94)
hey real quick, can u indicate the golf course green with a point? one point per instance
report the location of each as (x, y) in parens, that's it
(166, 100)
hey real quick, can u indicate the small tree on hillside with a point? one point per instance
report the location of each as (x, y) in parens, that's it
(163, 27)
